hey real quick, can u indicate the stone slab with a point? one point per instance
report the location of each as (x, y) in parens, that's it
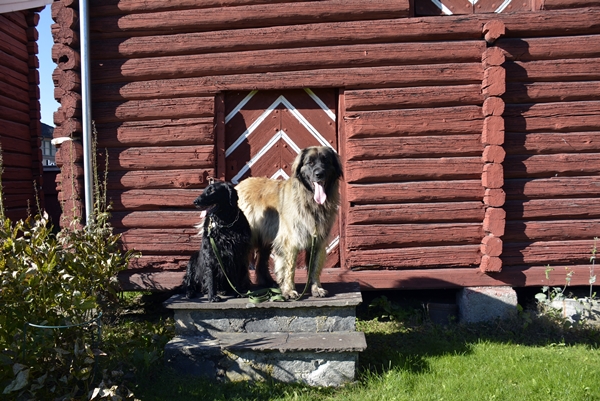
(317, 359)
(340, 295)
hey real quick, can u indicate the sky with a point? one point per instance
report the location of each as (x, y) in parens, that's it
(48, 104)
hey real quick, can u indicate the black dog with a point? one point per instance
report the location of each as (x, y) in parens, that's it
(227, 225)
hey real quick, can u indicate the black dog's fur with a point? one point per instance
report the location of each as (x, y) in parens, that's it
(226, 223)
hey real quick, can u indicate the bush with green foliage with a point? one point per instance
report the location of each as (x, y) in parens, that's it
(53, 279)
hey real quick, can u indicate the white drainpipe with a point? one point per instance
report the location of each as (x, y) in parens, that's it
(86, 108)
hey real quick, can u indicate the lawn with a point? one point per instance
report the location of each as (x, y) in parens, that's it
(527, 357)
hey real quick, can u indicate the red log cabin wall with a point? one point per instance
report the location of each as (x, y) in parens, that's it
(20, 127)
(469, 143)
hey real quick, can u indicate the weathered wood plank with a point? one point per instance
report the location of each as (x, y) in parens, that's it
(155, 179)
(10, 114)
(160, 241)
(351, 78)
(550, 48)
(567, 187)
(17, 160)
(405, 235)
(291, 36)
(447, 120)
(189, 107)
(10, 144)
(404, 279)
(156, 219)
(372, 148)
(305, 58)
(539, 143)
(521, 166)
(416, 212)
(417, 258)
(420, 191)
(557, 230)
(559, 116)
(554, 253)
(561, 4)
(534, 92)
(577, 69)
(166, 157)
(424, 96)
(191, 20)
(181, 131)
(394, 170)
(160, 262)
(575, 208)
(151, 199)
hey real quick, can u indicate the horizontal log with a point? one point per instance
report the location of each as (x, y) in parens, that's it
(350, 78)
(291, 36)
(7, 89)
(552, 253)
(415, 212)
(16, 201)
(304, 58)
(18, 187)
(160, 241)
(10, 144)
(415, 192)
(550, 48)
(565, 187)
(537, 209)
(583, 21)
(559, 116)
(165, 157)
(10, 114)
(136, 110)
(418, 257)
(577, 69)
(517, 166)
(155, 179)
(14, 130)
(403, 279)
(8, 75)
(561, 4)
(16, 65)
(13, 44)
(447, 120)
(156, 219)
(372, 148)
(406, 235)
(16, 101)
(66, 80)
(424, 96)
(160, 263)
(249, 16)
(12, 29)
(22, 160)
(152, 199)
(180, 131)
(557, 230)
(394, 170)
(538, 92)
(540, 143)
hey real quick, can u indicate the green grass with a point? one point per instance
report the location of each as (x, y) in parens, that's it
(523, 358)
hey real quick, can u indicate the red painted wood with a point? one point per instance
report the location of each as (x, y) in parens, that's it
(424, 191)
(416, 213)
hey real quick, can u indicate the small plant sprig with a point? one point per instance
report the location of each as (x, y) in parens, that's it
(592, 267)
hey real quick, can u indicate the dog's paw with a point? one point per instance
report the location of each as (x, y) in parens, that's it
(292, 294)
(216, 298)
(317, 291)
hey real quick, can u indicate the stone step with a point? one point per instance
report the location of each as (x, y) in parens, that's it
(336, 312)
(318, 359)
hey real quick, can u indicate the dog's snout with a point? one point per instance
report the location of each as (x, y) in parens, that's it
(197, 201)
(320, 174)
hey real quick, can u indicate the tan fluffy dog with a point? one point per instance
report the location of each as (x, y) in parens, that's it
(284, 216)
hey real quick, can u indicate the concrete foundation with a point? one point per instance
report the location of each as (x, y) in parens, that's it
(478, 304)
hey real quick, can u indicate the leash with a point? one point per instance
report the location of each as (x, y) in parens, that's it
(265, 294)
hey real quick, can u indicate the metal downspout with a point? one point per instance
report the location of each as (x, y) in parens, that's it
(86, 108)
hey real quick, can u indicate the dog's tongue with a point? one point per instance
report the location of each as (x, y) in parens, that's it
(320, 196)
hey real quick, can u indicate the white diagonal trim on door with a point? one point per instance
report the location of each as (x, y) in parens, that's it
(263, 151)
(242, 103)
(280, 100)
(442, 7)
(321, 104)
(280, 173)
(333, 244)
(503, 6)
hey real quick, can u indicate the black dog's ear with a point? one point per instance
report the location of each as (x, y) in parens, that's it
(299, 162)
(233, 196)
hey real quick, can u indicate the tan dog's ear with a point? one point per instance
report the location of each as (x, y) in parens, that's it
(299, 162)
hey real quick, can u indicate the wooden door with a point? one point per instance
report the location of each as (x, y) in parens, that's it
(265, 131)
